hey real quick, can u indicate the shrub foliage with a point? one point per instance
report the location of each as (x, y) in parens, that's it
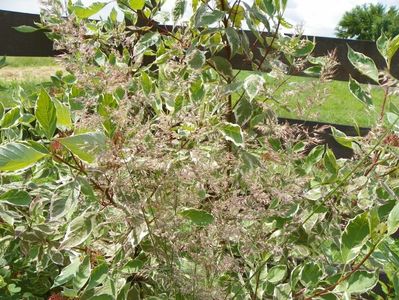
(150, 171)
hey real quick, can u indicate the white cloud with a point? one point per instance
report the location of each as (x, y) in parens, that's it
(318, 17)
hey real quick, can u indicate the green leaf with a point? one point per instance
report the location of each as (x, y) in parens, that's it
(276, 274)
(253, 84)
(179, 9)
(86, 146)
(313, 71)
(304, 49)
(137, 4)
(222, 65)
(146, 83)
(98, 276)
(197, 216)
(233, 133)
(26, 28)
(392, 48)
(354, 237)
(46, 114)
(100, 58)
(237, 14)
(393, 220)
(16, 198)
(86, 12)
(243, 111)
(17, 156)
(233, 39)
(83, 274)
(382, 45)
(196, 59)
(393, 119)
(146, 41)
(360, 94)
(68, 273)
(64, 200)
(205, 17)
(330, 162)
(78, 231)
(342, 138)
(11, 118)
(359, 282)
(311, 274)
(2, 110)
(363, 64)
(64, 119)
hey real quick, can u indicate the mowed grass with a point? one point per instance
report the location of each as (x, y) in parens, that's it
(26, 72)
(339, 107)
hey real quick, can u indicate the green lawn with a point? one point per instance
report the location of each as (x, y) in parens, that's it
(22, 61)
(338, 107)
(27, 72)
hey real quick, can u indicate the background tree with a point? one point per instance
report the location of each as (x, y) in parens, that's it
(367, 21)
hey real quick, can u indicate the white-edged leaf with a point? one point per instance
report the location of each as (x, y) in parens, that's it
(16, 198)
(46, 114)
(222, 65)
(233, 39)
(359, 282)
(64, 119)
(17, 156)
(276, 274)
(363, 64)
(78, 231)
(68, 273)
(253, 84)
(64, 200)
(197, 216)
(86, 146)
(233, 133)
(83, 274)
(393, 220)
(146, 41)
(179, 9)
(206, 17)
(86, 12)
(196, 59)
(356, 90)
(354, 236)
(26, 28)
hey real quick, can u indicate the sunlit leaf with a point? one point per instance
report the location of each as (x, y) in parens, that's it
(233, 133)
(354, 236)
(253, 84)
(17, 156)
(86, 12)
(393, 220)
(197, 216)
(360, 94)
(205, 17)
(363, 64)
(46, 114)
(86, 146)
(16, 198)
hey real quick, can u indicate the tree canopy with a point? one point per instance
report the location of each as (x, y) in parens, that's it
(367, 21)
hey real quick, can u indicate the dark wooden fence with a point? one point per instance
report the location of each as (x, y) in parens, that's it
(14, 43)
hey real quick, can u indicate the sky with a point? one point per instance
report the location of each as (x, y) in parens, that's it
(317, 17)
